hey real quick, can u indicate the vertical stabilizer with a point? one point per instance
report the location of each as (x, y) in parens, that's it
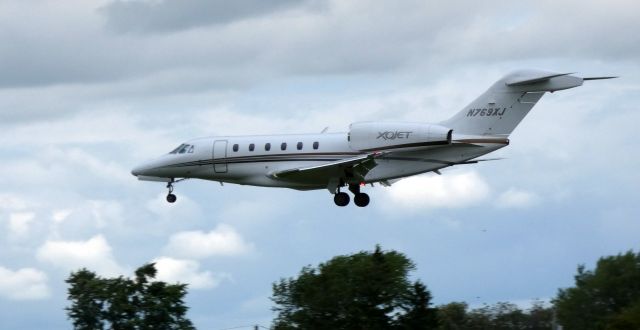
(503, 106)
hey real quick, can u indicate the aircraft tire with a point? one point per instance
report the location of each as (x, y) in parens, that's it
(341, 199)
(361, 199)
(171, 198)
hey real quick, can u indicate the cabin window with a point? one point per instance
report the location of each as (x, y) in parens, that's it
(236, 147)
(251, 147)
(267, 146)
(299, 146)
(283, 146)
(316, 145)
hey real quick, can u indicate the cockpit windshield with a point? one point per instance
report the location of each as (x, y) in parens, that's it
(183, 148)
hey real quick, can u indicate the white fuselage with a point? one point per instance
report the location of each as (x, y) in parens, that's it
(230, 159)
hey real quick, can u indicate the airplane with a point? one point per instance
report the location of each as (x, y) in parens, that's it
(381, 152)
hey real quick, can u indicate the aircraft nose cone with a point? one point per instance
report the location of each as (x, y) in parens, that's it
(137, 170)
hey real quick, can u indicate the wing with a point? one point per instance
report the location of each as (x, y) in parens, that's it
(353, 167)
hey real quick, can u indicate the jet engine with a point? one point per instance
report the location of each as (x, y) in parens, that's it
(374, 136)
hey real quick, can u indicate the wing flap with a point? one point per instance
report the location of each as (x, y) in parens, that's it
(357, 166)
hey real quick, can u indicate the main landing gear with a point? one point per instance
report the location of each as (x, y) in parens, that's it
(341, 198)
(359, 198)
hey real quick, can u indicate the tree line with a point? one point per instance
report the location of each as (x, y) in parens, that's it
(366, 290)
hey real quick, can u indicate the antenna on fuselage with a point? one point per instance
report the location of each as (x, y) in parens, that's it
(325, 130)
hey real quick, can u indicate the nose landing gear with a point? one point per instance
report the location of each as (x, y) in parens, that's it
(171, 198)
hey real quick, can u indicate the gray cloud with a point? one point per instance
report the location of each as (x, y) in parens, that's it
(278, 39)
(174, 15)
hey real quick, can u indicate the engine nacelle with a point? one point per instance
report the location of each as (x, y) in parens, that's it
(374, 136)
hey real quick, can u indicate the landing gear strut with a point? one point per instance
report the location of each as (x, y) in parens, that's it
(171, 198)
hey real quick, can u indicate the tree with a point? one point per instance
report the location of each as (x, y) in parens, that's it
(628, 318)
(366, 290)
(502, 315)
(452, 316)
(418, 314)
(602, 298)
(540, 317)
(125, 303)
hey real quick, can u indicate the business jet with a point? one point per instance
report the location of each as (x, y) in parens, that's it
(373, 152)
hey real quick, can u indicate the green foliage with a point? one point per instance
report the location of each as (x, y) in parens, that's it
(500, 316)
(418, 314)
(124, 303)
(606, 298)
(366, 290)
(628, 318)
(452, 316)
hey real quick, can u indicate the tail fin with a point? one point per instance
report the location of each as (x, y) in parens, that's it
(501, 108)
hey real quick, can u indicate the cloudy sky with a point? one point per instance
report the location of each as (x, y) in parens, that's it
(90, 88)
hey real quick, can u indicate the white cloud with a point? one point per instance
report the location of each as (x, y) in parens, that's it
(93, 254)
(58, 216)
(101, 168)
(251, 210)
(85, 217)
(48, 165)
(12, 202)
(19, 224)
(186, 271)
(105, 212)
(516, 198)
(439, 191)
(183, 208)
(221, 241)
(23, 284)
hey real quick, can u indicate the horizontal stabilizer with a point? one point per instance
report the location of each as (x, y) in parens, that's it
(599, 78)
(479, 160)
(533, 79)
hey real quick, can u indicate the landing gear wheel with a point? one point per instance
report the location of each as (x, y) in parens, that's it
(341, 199)
(361, 199)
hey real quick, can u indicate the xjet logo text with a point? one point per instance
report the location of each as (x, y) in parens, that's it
(392, 135)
